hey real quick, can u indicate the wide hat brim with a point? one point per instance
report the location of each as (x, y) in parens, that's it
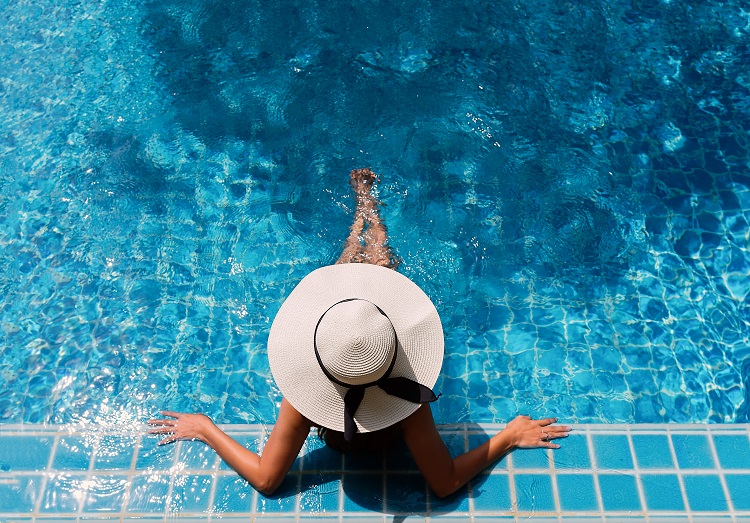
(291, 352)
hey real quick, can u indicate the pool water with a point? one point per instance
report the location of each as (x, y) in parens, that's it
(568, 181)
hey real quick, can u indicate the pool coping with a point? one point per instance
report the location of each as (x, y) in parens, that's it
(522, 468)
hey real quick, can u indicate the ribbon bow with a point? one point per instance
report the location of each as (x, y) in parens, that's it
(401, 386)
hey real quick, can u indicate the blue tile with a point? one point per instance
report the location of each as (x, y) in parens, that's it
(612, 452)
(73, 453)
(530, 459)
(319, 457)
(662, 492)
(399, 458)
(576, 492)
(233, 495)
(573, 453)
(152, 456)
(283, 500)
(115, 453)
(63, 493)
(738, 491)
(405, 493)
(534, 492)
(370, 461)
(491, 492)
(148, 493)
(456, 502)
(196, 455)
(476, 440)
(705, 493)
(619, 492)
(455, 441)
(733, 451)
(652, 451)
(20, 494)
(106, 493)
(319, 493)
(692, 451)
(363, 492)
(190, 493)
(24, 452)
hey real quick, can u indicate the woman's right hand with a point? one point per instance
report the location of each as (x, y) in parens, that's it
(184, 426)
(527, 433)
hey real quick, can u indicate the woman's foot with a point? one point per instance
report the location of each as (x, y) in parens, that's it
(368, 238)
(362, 180)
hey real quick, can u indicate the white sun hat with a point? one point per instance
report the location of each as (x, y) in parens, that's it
(356, 347)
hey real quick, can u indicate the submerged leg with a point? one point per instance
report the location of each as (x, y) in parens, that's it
(368, 237)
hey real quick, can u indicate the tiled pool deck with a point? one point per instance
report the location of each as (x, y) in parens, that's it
(603, 473)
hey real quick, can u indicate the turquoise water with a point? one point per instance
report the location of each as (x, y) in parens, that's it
(569, 183)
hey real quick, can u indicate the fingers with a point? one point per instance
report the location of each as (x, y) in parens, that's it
(165, 426)
(546, 421)
(165, 430)
(169, 414)
(557, 432)
(162, 422)
(167, 441)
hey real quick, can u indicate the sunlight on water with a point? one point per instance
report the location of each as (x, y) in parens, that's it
(581, 225)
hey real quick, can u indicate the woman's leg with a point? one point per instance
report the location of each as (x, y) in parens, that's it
(368, 237)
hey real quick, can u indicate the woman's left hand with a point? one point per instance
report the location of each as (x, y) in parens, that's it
(527, 433)
(184, 426)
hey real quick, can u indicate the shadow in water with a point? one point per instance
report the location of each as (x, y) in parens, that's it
(386, 483)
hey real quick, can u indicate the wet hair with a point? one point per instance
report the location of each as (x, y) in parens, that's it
(363, 442)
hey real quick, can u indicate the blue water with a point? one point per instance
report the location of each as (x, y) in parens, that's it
(568, 181)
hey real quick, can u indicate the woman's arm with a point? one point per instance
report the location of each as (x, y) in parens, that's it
(444, 474)
(265, 472)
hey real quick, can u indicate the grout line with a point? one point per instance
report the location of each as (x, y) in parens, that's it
(680, 480)
(595, 472)
(46, 474)
(298, 494)
(511, 482)
(88, 482)
(470, 485)
(553, 482)
(722, 479)
(131, 475)
(172, 476)
(212, 491)
(9, 476)
(638, 482)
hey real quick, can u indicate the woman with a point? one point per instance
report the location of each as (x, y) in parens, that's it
(355, 350)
